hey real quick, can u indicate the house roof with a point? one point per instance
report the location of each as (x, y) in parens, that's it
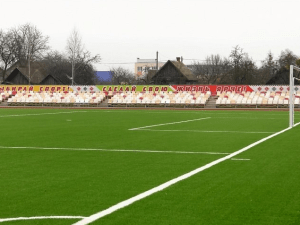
(55, 78)
(38, 71)
(183, 69)
(12, 74)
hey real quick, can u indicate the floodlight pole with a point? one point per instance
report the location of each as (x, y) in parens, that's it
(291, 99)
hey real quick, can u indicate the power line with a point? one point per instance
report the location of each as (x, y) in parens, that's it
(119, 63)
(165, 60)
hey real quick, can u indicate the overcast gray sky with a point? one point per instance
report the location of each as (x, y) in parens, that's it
(122, 30)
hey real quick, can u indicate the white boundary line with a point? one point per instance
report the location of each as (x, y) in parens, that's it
(212, 131)
(248, 118)
(162, 124)
(115, 150)
(167, 184)
(202, 112)
(41, 218)
(40, 114)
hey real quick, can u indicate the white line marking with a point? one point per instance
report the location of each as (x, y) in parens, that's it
(249, 118)
(40, 114)
(162, 124)
(163, 186)
(212, 131)
(239, 159)
(41, 217)
(213, 112)
(116, 150)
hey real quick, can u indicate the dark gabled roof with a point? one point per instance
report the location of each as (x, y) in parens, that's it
(64, 79)
(38, 70)
(14, 73)
(184, 70)
(180, 67)
(50, 76)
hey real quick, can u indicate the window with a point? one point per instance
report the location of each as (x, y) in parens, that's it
(139, 69)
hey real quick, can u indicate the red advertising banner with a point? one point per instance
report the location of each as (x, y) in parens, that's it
(212, 88)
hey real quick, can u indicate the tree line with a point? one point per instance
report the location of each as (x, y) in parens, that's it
(236, 69)
(26, 44)
(239, 68)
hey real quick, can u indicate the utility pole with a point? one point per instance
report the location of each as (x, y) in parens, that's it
(156, 61)
(73, 71)
(29, 77)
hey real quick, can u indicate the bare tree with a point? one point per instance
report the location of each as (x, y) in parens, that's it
(211, 70)
(79, 58)
(74, 49)
(122, 76)
(58, 65)
(268, 68)
(7, 51)
(287, 58)
(281, 76)
(31, 44)
(147, 74)
(243, 67)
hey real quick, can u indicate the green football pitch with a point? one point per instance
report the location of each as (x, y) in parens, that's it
(77, 166)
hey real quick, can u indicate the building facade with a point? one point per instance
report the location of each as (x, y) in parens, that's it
(142, 66)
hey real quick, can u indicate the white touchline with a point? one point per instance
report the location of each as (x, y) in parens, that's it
(212, 131)
(162, 124)
(163, 186)
(40, 114)
(115, 150)
(41, 218)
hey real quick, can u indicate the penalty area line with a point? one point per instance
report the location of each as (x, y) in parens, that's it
(115, 150)
(40, 114)
(212, 131)
(162, 124)
(167, 184)
(41, 218)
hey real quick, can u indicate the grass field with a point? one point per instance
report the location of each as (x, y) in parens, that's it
(77, 163)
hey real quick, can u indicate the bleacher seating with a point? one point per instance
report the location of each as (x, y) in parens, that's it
(181, 99)
(56, 99)
(255, 99)
(159, 99)
(5, 95)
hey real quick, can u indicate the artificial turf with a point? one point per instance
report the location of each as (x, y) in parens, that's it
(44, 182)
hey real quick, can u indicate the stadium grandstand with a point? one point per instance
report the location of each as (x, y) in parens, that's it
(184, 96)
